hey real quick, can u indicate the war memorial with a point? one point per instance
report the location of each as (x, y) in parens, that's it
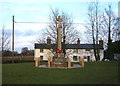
(59, 60)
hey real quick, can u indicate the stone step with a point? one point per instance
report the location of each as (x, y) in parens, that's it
(59, 64)
(59, 60)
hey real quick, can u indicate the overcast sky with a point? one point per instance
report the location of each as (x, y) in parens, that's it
(39, 11)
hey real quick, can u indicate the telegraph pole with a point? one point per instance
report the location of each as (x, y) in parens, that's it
(13, 40)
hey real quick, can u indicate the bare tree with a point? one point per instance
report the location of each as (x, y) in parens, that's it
(109, 25)
(5, 40)
(93, 26)
(69, 33)
(116, 30)
(97, 24)
(41, 39)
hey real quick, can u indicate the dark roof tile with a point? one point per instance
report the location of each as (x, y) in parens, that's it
(67, 46)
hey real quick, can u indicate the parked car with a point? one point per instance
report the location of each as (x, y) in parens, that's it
(106, 60)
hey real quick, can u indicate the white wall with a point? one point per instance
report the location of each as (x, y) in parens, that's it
(46, 54)
(70, 53)
(36, 53)
(101, 54)
(83, 52)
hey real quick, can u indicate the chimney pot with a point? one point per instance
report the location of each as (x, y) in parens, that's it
(78, 41)
(48, 40)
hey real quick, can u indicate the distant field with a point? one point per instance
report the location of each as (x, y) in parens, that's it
(93, 73)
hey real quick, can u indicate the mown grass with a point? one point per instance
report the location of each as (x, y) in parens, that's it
(93, 73)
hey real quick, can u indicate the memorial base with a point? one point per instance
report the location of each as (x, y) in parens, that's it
(59, 61)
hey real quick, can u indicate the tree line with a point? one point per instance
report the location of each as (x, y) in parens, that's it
(102, 25)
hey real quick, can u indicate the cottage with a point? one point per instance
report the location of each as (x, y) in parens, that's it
(73, 51)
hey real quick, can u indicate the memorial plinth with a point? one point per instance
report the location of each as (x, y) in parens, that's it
(58, 60)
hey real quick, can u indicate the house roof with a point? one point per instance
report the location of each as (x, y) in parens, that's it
(45, 46)
(67, 46)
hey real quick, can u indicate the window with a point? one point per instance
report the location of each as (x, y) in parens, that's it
(41, 58)
(75, 51)
(53, 50)
(75, 58)
(87, 49)
(85, 57)
(88, 58)
(41, 50)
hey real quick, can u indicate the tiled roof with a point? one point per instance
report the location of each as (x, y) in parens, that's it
(45, 46)
(67, 46)
(81, 46)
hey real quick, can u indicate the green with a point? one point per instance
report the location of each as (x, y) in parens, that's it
(93, 73)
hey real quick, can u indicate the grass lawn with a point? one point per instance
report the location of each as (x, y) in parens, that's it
(93, 73)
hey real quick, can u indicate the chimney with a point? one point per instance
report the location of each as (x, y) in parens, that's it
(48, 40)
(78, 41)
(101, 42)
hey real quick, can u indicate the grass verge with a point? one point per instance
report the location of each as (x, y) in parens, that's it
(93, 73)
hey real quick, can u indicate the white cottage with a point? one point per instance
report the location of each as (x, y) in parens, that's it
(73, 51)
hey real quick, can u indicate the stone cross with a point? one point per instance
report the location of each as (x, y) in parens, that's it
(59, 33)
